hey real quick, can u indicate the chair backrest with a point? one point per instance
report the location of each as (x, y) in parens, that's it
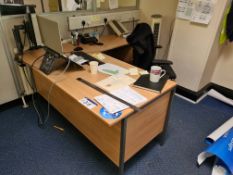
(142, 42)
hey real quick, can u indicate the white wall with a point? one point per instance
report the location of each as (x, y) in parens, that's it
(194, 49)
(7, 87)
(167, 8)
(128, 3)
(223, 74)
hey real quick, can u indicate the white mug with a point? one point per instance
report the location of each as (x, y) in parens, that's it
(156, 73)
(93, 67)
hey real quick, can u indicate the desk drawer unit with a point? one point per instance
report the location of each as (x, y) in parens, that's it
(139, 128)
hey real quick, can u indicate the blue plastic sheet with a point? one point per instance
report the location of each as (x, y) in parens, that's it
(222, 149)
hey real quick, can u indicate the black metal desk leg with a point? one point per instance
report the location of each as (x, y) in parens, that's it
(122, 146)
(163, 134)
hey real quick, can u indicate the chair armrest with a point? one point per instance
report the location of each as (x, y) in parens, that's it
(158, 61)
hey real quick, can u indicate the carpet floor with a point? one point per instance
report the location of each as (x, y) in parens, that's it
(26, 149)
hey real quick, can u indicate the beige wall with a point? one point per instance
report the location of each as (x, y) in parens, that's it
(194, 49)
(127, 3)
(167, 8)
(36, 2)
(7, 87)
(223, 74)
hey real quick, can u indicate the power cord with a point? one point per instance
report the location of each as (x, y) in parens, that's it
(105, 24)
(51, 88)
(40, 121)
(36, 60)
(34, 89)
(83, 25)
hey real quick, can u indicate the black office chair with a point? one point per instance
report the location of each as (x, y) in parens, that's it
(144, 49)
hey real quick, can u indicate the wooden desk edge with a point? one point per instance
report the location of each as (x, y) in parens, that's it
(30, 58)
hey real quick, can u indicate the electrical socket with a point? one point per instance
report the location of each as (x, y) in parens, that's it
(100, 19)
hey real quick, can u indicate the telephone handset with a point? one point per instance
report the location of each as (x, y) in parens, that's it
(118, 27)
(53, 60)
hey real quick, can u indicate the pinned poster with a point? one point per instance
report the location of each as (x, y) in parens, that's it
(203, 11)
(184, 9)
(222, 149)
(113, 4)
(197, 11)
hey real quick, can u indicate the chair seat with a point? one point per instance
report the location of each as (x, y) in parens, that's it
(170, 71)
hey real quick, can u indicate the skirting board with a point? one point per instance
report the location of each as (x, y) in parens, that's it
(13, 103)
(195, 96)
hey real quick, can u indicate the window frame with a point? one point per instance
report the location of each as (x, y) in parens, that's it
(93, 10)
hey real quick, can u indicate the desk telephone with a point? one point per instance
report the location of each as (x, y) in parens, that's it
(51, 60)
(87, 39)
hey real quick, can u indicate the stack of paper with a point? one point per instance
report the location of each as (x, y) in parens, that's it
(126, 93)
(129, 95)
(110, 104)
(77, 59)
(112, 69)
(115, 82)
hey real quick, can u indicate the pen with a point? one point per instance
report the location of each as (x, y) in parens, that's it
(91, 101)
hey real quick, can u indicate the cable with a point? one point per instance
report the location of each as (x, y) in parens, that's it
(34, 89)
(36, 60)
(83, 25)
(133, 23)
(105, 24)
(24, 40)
(33, 98)
(51, 88)
(27, 79)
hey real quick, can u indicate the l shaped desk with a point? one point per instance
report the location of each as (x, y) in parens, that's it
(119, 139)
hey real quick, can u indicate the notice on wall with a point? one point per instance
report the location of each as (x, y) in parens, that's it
(203, 11)
(113, 4)
(198, 11)
(185, 9)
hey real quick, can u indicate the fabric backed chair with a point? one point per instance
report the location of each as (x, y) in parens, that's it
(144, 49)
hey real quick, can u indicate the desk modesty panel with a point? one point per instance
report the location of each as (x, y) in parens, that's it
(119, 139)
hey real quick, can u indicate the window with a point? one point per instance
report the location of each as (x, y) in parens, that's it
(78, 5)
(115, 4)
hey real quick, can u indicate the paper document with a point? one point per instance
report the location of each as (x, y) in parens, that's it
(202, 12)
(77, 59)
(129, 95)
(115, 82)
(113, 4)
(185, 9)
(110, 104)
(112, 69)
(88, 103)
(199, 11)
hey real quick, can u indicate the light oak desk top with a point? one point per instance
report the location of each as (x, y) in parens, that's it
(78, 90)
(119, 139)
(109, 42)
